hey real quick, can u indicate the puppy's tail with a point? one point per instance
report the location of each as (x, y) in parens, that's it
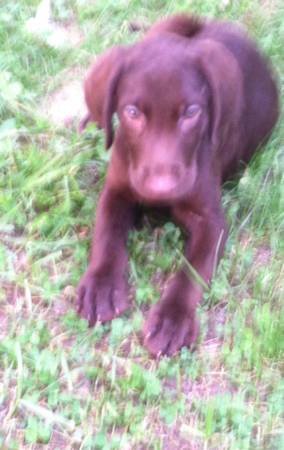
(181, 24)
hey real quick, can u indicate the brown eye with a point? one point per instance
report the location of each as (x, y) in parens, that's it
(132, 111)
(191, 111)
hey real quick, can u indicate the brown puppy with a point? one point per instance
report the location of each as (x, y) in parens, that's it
(193, 99)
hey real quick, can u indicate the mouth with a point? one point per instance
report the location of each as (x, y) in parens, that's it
(160, 194)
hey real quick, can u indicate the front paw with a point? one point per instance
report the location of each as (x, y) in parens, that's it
(169, 327)
(101, 298)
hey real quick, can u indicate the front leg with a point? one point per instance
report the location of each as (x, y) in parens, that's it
(172, 322)
(103, 290)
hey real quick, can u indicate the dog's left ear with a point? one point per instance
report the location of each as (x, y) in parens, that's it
(225, 80)
(100, 90)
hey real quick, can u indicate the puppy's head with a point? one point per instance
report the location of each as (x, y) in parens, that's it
(162, 103)
(174, 108)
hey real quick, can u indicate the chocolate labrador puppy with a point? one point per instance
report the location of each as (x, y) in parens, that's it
(194, 98)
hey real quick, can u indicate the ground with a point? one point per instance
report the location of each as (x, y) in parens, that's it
(63, 385)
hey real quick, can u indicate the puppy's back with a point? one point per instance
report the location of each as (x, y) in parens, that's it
(261, 108)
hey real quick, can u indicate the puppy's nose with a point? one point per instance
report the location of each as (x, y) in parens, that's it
(161, 183)
(161, 179)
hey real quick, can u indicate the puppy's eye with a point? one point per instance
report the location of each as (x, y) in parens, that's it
(191, 111)
(132, 112)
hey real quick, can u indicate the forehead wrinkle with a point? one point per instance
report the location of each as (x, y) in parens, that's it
(162, 88)
(162, 74)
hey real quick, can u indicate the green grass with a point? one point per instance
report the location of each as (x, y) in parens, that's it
(63, 385)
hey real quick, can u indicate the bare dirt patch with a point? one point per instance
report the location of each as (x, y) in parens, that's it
(66, 105)
(72, 33)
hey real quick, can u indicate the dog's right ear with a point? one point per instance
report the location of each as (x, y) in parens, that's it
(99, 85)
(110, 105)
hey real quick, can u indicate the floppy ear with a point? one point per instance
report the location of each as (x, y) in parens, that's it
(111, 104)
(99, 85)
(225, 79)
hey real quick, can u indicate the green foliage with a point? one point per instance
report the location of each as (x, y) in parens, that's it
(64, 384)
(37, 432)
